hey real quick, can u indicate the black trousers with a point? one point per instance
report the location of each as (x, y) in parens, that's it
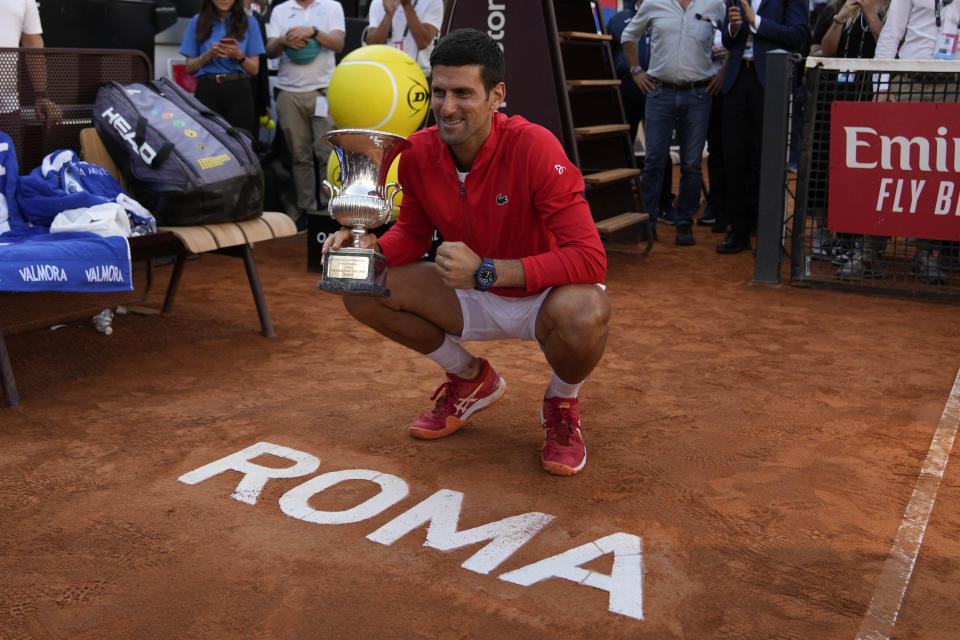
(718, 193)
(232, 99)
(742, 132)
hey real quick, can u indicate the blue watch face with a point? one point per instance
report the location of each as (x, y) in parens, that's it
(486, 275)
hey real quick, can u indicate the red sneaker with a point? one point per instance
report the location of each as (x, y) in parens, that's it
(457, 400)
(563, 451)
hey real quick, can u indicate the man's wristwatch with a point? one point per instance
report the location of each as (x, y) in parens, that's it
(486, 275)
(635, 70)
(315, 32)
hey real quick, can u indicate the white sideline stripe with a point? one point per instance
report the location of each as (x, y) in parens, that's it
(888, 596)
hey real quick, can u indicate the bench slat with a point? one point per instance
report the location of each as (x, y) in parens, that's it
(195, 239)
(281, 225)
(610, 175)
(227, 234)
(255, 230)
(615, 223)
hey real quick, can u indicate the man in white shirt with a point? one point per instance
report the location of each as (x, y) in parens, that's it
(20, 27)
(681, 77)
(305, 35)
(408, 25)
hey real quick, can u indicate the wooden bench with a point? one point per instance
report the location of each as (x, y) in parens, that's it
(226, 238)
(229, 238)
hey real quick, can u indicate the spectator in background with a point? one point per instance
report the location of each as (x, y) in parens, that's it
(752, 28)
(305, 35)
(20, 27)
(260, 83)
(845, 29)
(911, 32)
(682, 76)
(634, 102)
(222, 46)
(408, 25)
(715, 215)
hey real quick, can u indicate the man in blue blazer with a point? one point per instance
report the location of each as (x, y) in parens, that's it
(752, 28)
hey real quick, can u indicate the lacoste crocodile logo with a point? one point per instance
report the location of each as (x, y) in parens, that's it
(502, 199)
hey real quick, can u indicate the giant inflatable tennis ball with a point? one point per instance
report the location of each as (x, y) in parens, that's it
(304, 55)
(333, 177)
(378, 87)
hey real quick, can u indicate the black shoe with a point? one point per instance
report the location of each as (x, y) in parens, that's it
(734, 244)
(684, 235)
(707, 218)
(667, 216)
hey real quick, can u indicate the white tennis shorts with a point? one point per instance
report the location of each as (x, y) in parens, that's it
(487, 316)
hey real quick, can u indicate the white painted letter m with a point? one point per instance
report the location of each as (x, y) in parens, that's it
(442, 511)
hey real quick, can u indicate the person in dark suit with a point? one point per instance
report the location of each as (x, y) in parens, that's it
(751, 30)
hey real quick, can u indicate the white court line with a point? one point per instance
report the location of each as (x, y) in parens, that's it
(885, 606)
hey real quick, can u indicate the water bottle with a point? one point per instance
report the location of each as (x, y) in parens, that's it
(103, 321)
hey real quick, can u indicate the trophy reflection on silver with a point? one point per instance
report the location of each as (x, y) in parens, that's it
(362, 202)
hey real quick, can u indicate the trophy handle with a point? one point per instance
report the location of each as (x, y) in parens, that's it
(393, 190)
(330, 189)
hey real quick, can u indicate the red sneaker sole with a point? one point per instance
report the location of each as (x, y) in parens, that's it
(559, 469)
(454, 424)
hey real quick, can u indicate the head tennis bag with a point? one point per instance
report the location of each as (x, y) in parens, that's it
(183, 162)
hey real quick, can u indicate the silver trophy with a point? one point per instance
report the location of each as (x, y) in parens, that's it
(362, 202)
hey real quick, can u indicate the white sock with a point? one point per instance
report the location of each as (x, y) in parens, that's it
(452, 357)
(560, 389)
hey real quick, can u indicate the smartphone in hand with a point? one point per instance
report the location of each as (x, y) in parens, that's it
(228, 41)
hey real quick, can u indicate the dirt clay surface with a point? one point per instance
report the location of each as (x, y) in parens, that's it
(752, 452)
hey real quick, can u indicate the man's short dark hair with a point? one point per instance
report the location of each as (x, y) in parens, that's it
(463, 47)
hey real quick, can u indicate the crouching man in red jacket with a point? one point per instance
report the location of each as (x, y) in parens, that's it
(521, 256)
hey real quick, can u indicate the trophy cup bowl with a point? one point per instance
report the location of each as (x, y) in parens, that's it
(362, 202)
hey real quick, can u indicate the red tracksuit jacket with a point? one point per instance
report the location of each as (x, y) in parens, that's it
(523, 198)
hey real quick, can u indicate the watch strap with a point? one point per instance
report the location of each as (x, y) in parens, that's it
(486, 275)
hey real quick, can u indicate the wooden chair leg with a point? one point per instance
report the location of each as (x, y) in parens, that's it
(174, 283)
(6, 376)
(254, 278)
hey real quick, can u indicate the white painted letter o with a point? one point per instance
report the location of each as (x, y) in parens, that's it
(392, 490)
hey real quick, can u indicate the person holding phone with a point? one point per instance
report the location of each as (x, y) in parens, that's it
(223, 46)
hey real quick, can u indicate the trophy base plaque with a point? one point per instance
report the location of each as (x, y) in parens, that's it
(355, 271)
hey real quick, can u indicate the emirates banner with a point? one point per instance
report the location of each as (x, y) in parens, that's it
(895, 169)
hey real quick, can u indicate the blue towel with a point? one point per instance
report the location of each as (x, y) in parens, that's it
(64, 182)
(72, 261)
(33, 259)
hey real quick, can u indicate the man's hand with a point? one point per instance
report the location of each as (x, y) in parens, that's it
(644, 81)
(48, 111)
(390, 6)
(719, 53)
(748, 13)
(344, 236)
(734, 19)
(406, 3)
(457, 265)
(297, 37)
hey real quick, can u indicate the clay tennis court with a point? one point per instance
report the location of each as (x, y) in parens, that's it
(763, 443)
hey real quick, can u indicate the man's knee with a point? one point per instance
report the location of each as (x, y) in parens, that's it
(578, 312)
